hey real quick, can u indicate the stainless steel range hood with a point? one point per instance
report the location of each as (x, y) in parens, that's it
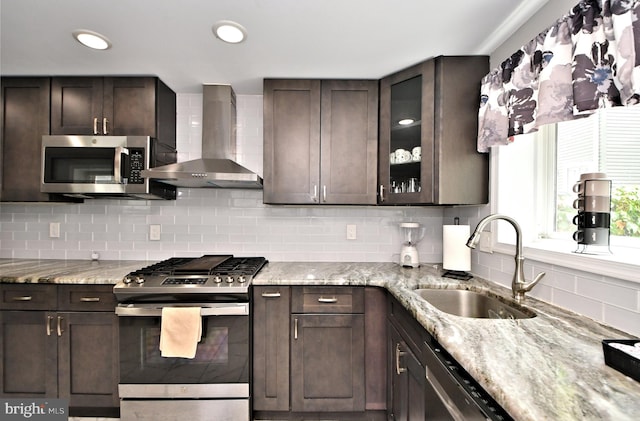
(216, 168)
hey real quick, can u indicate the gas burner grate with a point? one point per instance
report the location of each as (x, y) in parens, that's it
(205, 265)
(240, 266)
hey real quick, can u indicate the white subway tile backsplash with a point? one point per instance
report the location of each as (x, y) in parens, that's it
(608, 292)
(589, 307)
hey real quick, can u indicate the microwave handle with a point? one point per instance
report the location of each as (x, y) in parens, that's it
(119, 164)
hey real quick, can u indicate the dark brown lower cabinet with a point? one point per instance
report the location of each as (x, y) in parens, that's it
(319, 353)
(271, 311)
(327, 362)
(71, 355)
(87, 360)
(28, 356)
(408, 381)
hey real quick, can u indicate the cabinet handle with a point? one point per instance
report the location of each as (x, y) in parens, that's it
(49, 319)
(381, 193)
(105, 129)
(95, 125)
(23, 298)
(295, 328)
(59, 325)
(324, 193)
(327, 300)
(399, 354)
(89, 299)
(271, 294)
(315, 193)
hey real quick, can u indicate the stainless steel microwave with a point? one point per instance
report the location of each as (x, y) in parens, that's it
(104, 166)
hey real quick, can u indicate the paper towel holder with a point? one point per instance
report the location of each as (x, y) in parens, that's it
(459, 275)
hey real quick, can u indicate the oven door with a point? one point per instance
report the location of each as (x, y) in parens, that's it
(220, 368)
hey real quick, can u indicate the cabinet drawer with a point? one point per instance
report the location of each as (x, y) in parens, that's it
(327, 300)
(86, 298)
(28, 297)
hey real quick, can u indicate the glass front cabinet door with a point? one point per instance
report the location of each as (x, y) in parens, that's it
(428, 131)
(406, 136)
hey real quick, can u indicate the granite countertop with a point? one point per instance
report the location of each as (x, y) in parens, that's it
(67, 271)
(550, 367)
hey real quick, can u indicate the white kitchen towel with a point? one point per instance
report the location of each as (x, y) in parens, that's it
(180, 331)
(455, 253)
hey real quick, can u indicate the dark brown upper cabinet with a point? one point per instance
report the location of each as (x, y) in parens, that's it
(118, 106)
(320, 141)
(428, 132)
(24, 119)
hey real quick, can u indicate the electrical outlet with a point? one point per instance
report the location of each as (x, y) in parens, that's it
(54, 229)
(486, 242)
(154, 232)
(351, 232)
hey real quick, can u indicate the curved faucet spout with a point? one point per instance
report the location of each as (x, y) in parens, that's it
(519, 284)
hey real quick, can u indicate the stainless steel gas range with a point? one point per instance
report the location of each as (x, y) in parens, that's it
(213, 384)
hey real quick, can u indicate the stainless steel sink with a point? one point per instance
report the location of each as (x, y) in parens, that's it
(480, 305)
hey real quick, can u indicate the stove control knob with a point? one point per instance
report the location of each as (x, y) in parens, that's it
(217, 279)
(229, 279)
(242, 279)
(127, 279)
(139, 280)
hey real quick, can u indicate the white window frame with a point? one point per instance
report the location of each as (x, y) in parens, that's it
(623, 263)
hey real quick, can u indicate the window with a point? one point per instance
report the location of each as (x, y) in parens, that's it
(535, 177)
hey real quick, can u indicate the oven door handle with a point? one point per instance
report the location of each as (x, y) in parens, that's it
(227, 309)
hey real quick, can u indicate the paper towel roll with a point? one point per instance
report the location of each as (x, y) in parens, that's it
(455, 253)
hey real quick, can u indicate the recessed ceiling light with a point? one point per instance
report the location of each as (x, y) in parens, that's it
(92, 39)
(406, 121)
(229, 31)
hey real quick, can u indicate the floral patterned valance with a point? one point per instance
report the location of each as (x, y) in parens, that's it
(588, 59)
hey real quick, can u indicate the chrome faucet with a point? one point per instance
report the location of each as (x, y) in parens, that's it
(519, 284)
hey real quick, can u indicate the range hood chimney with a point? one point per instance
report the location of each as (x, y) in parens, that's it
(217, 167)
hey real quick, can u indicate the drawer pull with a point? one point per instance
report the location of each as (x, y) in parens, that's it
(59, 326)
(399, 354)
(271, 294)
(325, 300)
(24, 298)
(90, 299)
(49, 319)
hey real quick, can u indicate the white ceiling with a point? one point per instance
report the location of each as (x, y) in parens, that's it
(286, 38)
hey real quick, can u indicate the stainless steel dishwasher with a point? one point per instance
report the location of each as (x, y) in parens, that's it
(463, 398)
